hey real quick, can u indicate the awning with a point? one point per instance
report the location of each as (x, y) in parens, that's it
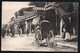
(62, 12)
(31, 17)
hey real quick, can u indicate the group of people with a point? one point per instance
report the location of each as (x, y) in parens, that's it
(9, 29)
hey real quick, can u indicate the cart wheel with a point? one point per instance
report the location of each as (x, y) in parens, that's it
(50, 39)
(53, 43)
(37, 37)
(48, 42)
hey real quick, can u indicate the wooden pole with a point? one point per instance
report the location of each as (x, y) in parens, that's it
(61, 24)
(30, 27)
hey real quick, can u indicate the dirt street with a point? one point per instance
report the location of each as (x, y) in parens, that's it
(24, 43)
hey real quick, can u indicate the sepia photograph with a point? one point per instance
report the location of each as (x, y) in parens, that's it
(39, 26)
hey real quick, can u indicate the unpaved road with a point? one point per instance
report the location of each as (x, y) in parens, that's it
(24, 43)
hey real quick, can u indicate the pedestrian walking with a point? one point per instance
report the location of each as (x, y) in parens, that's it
(3, 32)
(67, 28)
(20, 31)
(12, 29)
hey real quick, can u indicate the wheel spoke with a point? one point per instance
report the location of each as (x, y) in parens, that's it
(38, 37)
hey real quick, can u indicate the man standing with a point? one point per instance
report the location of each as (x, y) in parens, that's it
(20, 31)
(12, 30)
(3, 31)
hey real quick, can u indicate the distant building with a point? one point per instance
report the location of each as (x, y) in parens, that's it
(25, 15)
